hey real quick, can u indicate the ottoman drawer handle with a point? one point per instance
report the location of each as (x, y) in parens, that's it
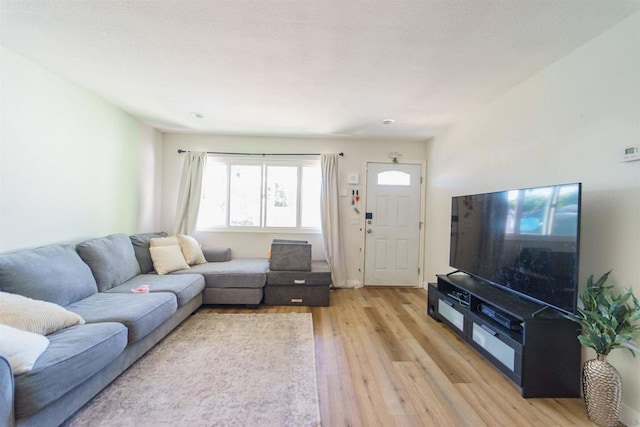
(296, 299)
(299, 282)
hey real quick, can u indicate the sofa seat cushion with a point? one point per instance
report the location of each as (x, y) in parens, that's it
(140, 313)
(112, 259)
(53, 273)
(74, 355)
(237, 273)
(184, 286)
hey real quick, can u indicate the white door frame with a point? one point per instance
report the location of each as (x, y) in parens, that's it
(421, 239)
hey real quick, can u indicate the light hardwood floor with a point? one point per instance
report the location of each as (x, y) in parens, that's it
(381, 361)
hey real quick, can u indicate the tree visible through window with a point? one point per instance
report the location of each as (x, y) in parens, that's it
(260, 194)
(282, 196)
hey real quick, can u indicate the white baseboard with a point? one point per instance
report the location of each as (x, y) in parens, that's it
(629, 416)
(354, 284)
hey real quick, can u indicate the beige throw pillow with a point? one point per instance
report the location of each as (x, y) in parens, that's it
(21, 348)
(164, 241)
(167, 259)
(31, 315)
(191, 250)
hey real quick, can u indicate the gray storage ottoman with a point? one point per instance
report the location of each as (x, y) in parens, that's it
(290, 255)
(310, 288)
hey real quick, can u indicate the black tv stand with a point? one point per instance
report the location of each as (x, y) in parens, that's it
(537, 348)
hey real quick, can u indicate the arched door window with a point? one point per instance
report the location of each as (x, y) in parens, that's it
(394, 178)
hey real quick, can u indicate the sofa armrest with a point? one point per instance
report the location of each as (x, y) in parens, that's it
(217, 254)
(6, 393)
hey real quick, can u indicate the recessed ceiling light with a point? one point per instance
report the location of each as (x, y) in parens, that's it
(196, 115)
(388, 121)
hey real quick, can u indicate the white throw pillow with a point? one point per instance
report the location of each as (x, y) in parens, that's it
(37, 316)
(22, 348)
(164, 241)
(167, 259)
(191, 250)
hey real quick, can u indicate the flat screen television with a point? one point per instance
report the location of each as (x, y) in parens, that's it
(526, 241)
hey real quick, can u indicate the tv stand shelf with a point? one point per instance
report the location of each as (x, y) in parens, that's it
(536, 347)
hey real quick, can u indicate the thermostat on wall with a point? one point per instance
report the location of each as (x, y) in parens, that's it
(630, 153)
(353, 178)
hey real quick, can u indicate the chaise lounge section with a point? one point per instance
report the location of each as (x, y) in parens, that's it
(231, 281)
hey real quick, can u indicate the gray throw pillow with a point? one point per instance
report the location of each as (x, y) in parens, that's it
(141, 248)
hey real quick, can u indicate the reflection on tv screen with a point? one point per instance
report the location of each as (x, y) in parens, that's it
(543, 211)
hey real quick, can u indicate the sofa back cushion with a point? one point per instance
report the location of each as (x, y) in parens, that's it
(141, 248)
(53, 273)
(111, 259)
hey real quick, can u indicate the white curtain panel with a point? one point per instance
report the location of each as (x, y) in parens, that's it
(190, 192)
(330, 218)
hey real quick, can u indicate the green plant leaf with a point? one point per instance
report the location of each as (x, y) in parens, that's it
(607, 320)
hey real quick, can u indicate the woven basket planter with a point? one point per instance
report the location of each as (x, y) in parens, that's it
(602, 389)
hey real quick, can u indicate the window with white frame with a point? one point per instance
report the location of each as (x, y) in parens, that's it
(260, 194)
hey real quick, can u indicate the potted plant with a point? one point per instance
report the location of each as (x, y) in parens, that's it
(608, 321)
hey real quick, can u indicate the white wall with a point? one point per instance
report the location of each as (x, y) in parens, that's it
(356, 154)
(566, 124)
(70, 162)
(150, 152)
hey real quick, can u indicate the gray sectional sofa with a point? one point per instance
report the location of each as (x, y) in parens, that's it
(94, 279)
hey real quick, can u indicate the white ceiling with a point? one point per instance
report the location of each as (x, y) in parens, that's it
(302, 67)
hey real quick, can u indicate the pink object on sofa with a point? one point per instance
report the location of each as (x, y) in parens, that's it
(142, 289)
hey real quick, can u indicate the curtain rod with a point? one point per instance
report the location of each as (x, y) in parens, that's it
(260, 154)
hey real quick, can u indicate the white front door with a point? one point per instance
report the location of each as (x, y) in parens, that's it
(392, 224)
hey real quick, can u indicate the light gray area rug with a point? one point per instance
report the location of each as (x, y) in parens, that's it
(218, 370)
